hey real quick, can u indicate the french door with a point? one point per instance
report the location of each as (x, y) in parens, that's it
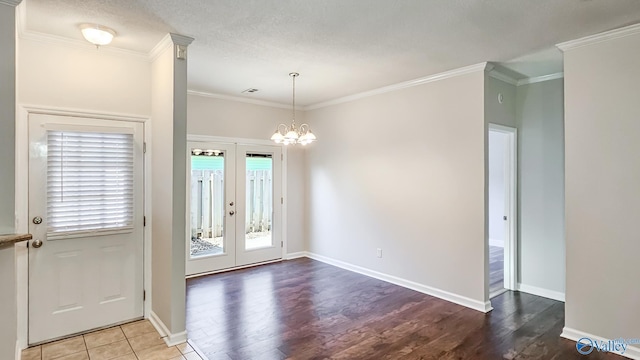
(235, 205)
(85, 215)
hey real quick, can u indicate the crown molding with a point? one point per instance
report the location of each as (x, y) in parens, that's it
(403, 85)
(597, 38)
(242, 99)
(181, 39)
(162, 45)
(502, 77)
(537, 79)
(13, 3)
(168, 41)
(79, 44)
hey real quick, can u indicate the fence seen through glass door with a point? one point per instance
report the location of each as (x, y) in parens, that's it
(235, 205)
(259, 196)
(207, 203)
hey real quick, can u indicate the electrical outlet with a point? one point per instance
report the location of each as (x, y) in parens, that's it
(379, 252)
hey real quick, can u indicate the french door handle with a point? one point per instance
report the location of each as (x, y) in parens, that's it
(232, 212)
(36, 244)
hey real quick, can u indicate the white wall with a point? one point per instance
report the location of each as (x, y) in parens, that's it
(168, 190)
(540, 113)
(72, 77)
(602, 174)
(217, 117)
(497, 147)
(404, 172)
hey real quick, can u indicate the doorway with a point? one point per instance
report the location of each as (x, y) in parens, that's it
(86, 217)
(235, 206)
(502, 216)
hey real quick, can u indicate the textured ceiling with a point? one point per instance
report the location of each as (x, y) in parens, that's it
(340, 47)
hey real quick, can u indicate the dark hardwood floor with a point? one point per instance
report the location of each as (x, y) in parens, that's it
(305, 309)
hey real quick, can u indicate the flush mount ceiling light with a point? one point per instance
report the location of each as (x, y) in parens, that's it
(97, 34)
(290, 135)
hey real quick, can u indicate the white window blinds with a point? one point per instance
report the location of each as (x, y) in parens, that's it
(89, 182)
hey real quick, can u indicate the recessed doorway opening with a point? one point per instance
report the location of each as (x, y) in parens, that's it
(502, 255)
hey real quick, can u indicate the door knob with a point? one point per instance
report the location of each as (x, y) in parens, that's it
(231, 203)
(37, 243)
(231, 212)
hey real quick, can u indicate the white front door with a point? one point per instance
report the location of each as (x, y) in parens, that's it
(85, 215)
(235, 205)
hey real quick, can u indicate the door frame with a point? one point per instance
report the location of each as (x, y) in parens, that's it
(22, 205)
(250, 142)
(511, 207)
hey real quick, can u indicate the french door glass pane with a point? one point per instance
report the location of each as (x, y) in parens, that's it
(207, 203)
(259, 207)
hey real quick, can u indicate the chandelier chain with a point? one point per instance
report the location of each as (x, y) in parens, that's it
(294, 100)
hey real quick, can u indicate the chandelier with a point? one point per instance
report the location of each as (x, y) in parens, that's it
(290, 135)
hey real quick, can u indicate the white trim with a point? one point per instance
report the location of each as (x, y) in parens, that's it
(575, 335)
(444, 295)
(18, 354)
(31, 35)
(496, 242)
(169, 338)
(537, 79)
(13, 3)
(285, 208)
(295, 255)
(148, 207)
(22, 294)
(181, 40)
(511, 244)
(403, 85)
(503, 77)
(597, 38)
(62, 111)
(232, 268)
(168, 41)
(534, 290)
(241, 99)
(496, 74)
(230, 140)
(161, 46)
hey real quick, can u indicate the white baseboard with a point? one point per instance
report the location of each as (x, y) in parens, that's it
(18, 350)
(496, 242)
(444, 295)
(534, 290)
(167, 336)
(632, 352)
(295, 255)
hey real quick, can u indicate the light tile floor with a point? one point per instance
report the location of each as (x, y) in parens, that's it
(133, 341)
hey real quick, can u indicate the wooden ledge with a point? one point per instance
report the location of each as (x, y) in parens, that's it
(13, 238)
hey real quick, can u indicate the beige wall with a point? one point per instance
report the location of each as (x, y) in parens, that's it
(404, 172)
(225, 118)
(602, 174)
(59, 76)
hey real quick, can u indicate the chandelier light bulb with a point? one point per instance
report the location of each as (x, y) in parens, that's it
(291, 135)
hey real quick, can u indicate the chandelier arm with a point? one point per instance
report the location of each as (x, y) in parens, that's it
(282, 129)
